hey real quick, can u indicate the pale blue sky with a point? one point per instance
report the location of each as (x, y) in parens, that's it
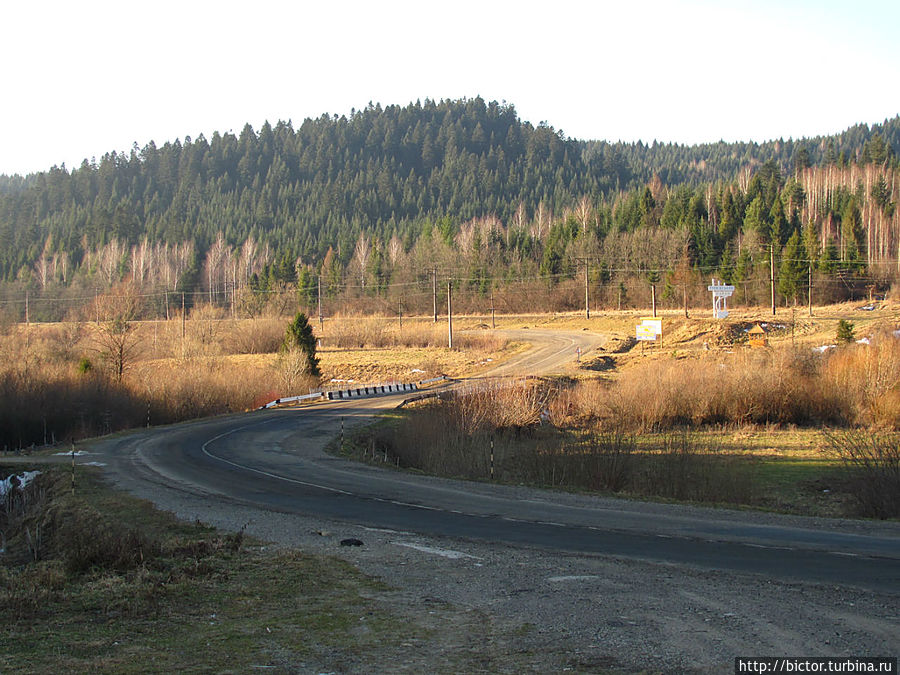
(81, 79)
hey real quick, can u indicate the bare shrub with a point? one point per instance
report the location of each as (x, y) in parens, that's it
(684, 471)
(262, 335)
(202, 387)
(600, 461)
(868, 377)
(446, 439)
(872, 464)
(485, 341)
(117, 343)
(771, 386)
(500, 405)
(294, 373)
(85, 539)
(356, 332)
(204, 330)
(66, 340)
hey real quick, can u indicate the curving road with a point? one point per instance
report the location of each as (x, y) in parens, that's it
(275, 460)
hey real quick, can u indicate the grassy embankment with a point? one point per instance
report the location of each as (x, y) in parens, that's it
(58, 382)
(97, 581)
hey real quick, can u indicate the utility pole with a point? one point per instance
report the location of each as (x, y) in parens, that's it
(182, 324)
(809, 289)
(27, 321)
(493, 324)
(321, 323)
(684, 297)
(400, 312)
(434, 291)
(587, 297)
(772, 274)
(653, 298)
(450, 314)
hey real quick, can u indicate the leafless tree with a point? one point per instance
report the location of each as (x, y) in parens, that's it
(116, 338)
(361, 255)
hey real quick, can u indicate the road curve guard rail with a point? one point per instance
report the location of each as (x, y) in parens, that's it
(354, 392)
(291, 399)
(374, 390)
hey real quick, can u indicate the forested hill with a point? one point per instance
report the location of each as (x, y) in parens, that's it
(383, 171)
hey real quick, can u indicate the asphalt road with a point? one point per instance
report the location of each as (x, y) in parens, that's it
(275, 460)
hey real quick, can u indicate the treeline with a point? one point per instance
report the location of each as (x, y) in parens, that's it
(390, 198)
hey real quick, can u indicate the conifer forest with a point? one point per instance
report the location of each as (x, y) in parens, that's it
(375, 210)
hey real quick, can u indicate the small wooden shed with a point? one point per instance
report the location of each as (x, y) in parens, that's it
(757, 336)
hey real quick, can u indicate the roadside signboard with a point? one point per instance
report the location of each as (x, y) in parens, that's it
(720, 292)
(644, 332)
(649, 329)
(654, 323)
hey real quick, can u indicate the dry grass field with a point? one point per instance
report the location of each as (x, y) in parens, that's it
(64, 381)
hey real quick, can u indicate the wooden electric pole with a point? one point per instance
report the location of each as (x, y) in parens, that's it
(772, 274)
(182, 324)
(587, 297)
(434, 291)
(809, 290)
(450, 314)
(493, 324)
(321, 323)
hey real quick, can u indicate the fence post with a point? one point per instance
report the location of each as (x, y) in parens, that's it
(492, 458)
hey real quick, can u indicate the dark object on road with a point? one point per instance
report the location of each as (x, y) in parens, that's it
(351, 542)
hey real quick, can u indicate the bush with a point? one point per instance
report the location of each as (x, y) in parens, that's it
(844, 332)
(872, 464)
(758, 387)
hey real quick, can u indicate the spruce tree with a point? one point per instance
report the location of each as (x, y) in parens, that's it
(793, 268)
(299, 337)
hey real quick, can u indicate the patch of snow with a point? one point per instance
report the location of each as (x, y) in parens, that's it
(94, 464)
(417, 370)
(863, 341)
(22, 479)
(77, 453)
(824, 348)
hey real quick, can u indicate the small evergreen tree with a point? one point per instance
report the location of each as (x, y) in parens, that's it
(844, 331)
(299, 337)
